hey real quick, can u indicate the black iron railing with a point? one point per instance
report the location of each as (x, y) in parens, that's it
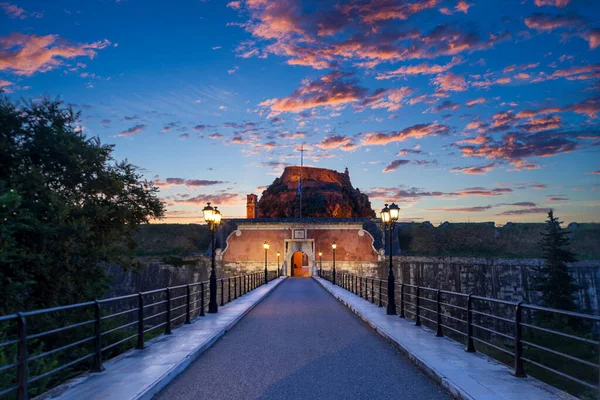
(554, 343)
(100, 329)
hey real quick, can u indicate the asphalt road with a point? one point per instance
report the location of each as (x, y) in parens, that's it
(301, 343)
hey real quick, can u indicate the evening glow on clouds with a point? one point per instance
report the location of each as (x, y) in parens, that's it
(477, 110)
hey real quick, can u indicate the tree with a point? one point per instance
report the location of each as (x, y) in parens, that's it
(66, 208)
(554, 282)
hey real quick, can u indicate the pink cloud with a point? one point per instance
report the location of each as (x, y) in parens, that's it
(373, 11)
(394, 165)
(132, 131)
(534, 210)
(593, 37)
(515, 148)
(221, 199)
(27, 54)
(556, 3)
(471, 103)
(236, 5)
(337, 141)
(450, 82)
(461, 209)
(420, 69)
(463, 6)
(547, 22)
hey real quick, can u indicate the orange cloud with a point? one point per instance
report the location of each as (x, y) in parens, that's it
(330, 90)
(27, 54)
(593, 37)
(475, 170)
(413, 132)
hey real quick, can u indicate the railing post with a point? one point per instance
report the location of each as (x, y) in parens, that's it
(168, 325)
(97, 361)
(402, 301)
(360, 279)
(188, 298)
(380, 291)
(244, 284)
(222, 292)
(417, 309)
(235, 288)
(202, 299)
(372, 290)
(438, 299)
(22, 350)
(140, 337)
(519, 371)
(470, 347)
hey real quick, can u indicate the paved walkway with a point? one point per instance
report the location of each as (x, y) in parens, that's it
(465, 375)
(301, 343)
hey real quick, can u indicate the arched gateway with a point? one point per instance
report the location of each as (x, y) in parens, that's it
(299, 241)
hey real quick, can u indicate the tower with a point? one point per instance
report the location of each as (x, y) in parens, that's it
(251, 202)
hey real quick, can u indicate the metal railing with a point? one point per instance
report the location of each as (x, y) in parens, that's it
(104, 328)
(515, 333)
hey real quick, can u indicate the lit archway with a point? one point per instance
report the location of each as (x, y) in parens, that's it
(300, 264)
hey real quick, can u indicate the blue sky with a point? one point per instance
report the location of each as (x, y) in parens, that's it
(455, 110)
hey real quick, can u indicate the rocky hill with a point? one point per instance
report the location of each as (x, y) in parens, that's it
(325, 194)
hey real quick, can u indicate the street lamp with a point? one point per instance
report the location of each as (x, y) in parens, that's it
(389, 215)
(321, 264)
(333, 246)
(213, 217)
(278, 254)
(266, 247)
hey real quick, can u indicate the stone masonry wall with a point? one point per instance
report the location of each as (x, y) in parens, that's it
(505, 279)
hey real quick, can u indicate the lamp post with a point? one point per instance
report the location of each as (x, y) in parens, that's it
(321, 264)
(278, 254)
(213, 217)
(333, 247)
(389, 215)
(266, 247)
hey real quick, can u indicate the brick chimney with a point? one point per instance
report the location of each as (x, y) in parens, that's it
(251, 202)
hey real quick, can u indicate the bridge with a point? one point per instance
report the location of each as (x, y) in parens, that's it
(280, 337)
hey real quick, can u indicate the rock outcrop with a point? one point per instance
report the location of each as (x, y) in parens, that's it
(325, 194)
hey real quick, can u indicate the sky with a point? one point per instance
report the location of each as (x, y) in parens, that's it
(459, 111)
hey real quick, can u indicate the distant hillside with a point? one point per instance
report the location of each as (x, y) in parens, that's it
(486, 240)
(325, 194)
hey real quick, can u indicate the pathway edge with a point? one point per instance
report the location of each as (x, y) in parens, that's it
(149, 392)
(431, 372)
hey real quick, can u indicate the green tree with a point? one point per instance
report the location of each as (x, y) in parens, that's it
(66, 207)
(554, 282)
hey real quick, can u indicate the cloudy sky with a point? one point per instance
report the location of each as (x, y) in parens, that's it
(478, 110)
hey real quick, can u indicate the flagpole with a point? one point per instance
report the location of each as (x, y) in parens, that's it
(300, 187)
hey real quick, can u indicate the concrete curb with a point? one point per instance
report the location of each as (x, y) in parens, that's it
(164, 380)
